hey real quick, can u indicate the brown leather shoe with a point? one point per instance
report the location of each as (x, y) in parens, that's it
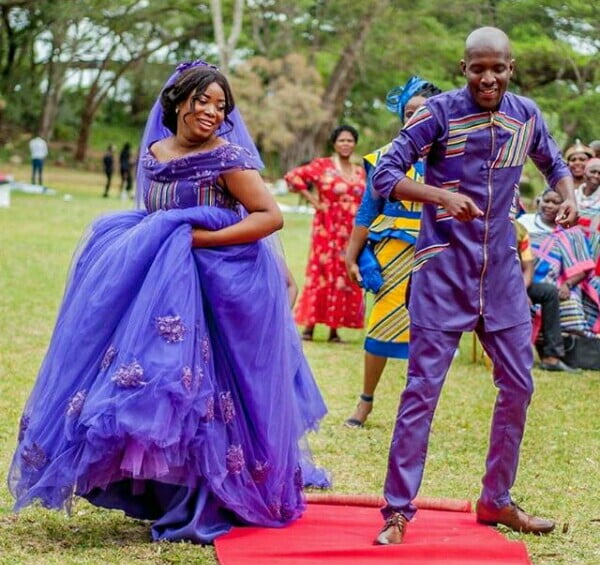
(515, 518)
(393, 530)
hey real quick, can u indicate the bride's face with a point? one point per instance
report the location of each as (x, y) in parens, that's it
(201, 114)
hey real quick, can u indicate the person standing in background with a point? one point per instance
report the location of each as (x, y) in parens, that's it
(329, 296)
(389, 231)
(108, 164)
(125, 170)
(588, 192)
(577, 156)
(39, 151)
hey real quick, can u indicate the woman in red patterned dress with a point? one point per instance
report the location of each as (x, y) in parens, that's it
(329, 296)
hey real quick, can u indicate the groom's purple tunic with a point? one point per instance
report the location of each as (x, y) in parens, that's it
(467, 275)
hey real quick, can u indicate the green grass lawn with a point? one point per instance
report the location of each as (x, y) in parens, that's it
(560, 460)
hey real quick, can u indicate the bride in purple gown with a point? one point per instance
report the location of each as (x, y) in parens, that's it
(175, 387)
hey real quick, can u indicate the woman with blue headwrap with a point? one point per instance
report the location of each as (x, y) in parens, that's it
(379, 256)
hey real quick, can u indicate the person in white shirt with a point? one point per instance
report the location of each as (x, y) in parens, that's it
(588, 192)
(39, 151)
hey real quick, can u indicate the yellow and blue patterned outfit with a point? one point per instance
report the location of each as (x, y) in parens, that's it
(393, 229)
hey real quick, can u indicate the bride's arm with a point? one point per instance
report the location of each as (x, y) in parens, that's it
(264, 216)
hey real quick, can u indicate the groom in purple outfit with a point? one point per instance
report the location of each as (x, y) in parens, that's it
(467, 275)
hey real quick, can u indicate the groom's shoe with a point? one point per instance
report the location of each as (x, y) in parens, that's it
(393, 530)
(513, 517)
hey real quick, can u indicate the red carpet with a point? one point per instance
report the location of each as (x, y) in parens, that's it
(335, 534)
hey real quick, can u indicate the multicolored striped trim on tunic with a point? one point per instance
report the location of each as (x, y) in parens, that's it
(427, 253)
(441, 214)
(419, 117)
(514, 152)
(460, 128)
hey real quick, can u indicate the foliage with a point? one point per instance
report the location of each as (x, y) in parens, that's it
(125, 49)
(281, 99)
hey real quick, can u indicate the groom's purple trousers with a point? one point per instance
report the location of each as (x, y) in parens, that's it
(431, 352)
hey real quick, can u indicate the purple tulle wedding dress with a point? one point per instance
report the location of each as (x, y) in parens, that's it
(174, 387)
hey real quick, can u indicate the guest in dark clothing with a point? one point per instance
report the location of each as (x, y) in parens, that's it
(125, 168)
(108, 163)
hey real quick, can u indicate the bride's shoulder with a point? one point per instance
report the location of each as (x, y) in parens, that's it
(162, 150)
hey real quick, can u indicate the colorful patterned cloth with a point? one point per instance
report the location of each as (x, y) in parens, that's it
(329, 296)
(559, 254)
(393, 229)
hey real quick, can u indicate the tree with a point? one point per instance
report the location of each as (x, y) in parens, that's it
(359, 50)
(281, 102)
(127, 34)
(226, 46)
(332, 36)
(20, 22)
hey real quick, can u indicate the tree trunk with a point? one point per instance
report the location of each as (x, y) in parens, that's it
(52, 98)
(227, 46)
(57, 71)
(85, 128)
(94, 98)
(11, 45)
(300, 152)
(340, 84)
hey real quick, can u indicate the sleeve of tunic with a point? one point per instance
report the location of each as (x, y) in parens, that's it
(545, 153)
(413, 142)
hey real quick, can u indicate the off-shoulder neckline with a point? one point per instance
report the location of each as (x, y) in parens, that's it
(183, 157)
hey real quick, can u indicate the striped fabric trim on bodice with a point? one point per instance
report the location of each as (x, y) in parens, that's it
(459, 129)
(163, 196)
(214, 195)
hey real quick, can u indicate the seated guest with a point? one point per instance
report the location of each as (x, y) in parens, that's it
(551, 347)
(576, 157)
(588, 196)
(563, 258)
